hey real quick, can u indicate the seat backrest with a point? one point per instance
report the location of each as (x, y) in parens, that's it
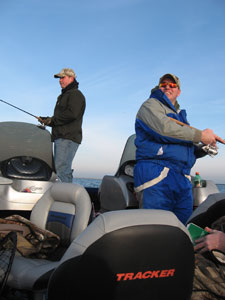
(130, 254)
(117, 192)
(64, 209)
(129, 152)
(209, 211)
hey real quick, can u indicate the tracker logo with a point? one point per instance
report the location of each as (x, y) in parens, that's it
(145, 275)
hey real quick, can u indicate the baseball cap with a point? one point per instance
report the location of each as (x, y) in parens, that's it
(65, 72)
(174, 77)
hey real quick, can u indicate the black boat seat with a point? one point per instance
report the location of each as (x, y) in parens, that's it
(117, 192)
(209, 211)
(127, 254)
(65, 209)
(27, 168)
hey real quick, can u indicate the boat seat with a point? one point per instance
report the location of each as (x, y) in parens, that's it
(117, 192)
(127, 254)
(209, 211)
(65, 209)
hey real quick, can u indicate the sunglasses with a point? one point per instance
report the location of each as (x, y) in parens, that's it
(170, 84)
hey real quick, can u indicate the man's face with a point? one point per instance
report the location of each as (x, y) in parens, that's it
(171, 92)
(64, 81)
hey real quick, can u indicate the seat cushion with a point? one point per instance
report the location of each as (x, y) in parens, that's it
(61, 224)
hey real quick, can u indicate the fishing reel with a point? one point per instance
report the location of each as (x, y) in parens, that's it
(41, 125)
(210, 150)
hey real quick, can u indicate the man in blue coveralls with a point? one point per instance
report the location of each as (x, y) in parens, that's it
(166, 151)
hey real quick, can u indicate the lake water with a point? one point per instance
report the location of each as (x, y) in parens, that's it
(88, 182)
(92, 182)
(221, 187)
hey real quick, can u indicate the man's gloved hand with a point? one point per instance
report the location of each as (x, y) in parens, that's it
(45, 120)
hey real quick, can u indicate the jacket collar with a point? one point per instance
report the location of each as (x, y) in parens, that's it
(72, 85)
(159, 95)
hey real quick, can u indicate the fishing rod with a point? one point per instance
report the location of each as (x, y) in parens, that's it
(210, 150)
(184, 124)
(26, 112)
(181, 123)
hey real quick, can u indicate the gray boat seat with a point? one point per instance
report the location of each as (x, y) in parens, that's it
(127, 254)
(117, 192)
(64, 209)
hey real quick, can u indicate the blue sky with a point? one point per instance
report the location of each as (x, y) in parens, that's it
(118, 49)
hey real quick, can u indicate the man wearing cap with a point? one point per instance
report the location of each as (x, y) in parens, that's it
(66, 123)
(166, 151)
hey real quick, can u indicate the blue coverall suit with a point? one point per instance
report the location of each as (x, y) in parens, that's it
(165, 155)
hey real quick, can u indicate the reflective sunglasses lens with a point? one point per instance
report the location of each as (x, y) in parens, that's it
(170, 84)
(163, 85)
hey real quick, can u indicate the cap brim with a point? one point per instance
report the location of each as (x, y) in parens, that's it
(57, 76)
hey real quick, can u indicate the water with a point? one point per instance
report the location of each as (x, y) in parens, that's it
(92, 182)
(221, 187)
(88, 182)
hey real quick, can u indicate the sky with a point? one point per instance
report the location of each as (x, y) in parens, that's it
(119, 49)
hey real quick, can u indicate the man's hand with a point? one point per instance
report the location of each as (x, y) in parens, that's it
(40, 119)
(210, 138)
(45, 120)
(215, 240)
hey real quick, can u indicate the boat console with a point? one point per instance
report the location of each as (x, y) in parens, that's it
(26, 165)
